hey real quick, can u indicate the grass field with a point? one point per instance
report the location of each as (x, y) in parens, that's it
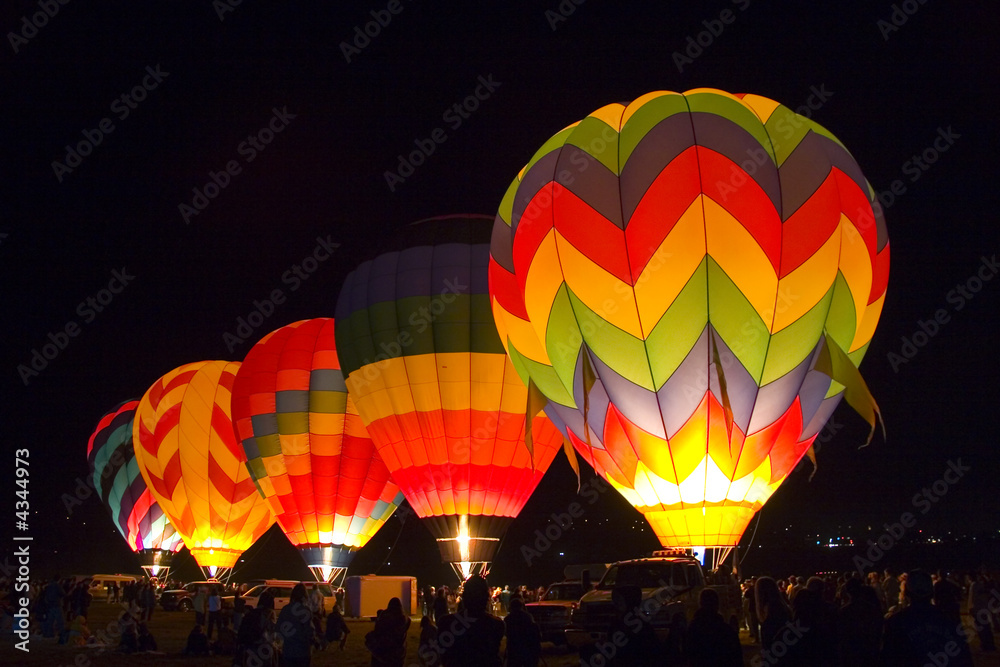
(171, 629)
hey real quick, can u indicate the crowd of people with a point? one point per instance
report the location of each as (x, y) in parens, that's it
(884, 619)
(887, 618)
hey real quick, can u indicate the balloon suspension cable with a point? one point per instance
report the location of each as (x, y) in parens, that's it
(402, 524)
(217, 572)
(466, 569)
(752, 535)
(327, 574)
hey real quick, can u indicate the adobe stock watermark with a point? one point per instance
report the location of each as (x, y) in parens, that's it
(294, 276)
(87, 310)
(790, 635)
(454, 116)
(419, 319)
(248, 149)
(223, 7)
(898, 17)
(546, 537)
(923, 501)
(918, 164)
(957, 297)
(30, 25)
(122, 106)
(699, 43)
(363, 35)
(562, 12)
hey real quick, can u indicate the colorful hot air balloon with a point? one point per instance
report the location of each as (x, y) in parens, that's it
(123, 491)
(438, 394)
(307, 449)
(698, 276)
(194, 466)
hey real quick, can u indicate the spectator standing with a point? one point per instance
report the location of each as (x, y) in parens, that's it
(214, 606)
(295, 627)
(200, 603)
(387, 642)
(710, 641)
(524, 640)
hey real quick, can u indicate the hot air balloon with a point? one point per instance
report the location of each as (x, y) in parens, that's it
(123, 491)
(307, 449)
(194, 466)
(691, 280)
(433, 385)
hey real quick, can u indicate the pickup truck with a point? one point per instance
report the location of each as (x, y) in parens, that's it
(553, 610)
(671, 586)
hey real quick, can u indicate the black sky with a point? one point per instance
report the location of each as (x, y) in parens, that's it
(890, 95)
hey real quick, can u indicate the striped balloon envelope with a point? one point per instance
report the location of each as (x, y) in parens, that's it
(307, 449)
(691, 280)
(194, 466)
(118, 483)
(438, 394)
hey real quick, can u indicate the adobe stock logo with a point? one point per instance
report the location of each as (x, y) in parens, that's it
(88, 310)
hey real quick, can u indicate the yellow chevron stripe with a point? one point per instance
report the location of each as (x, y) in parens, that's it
(610, 114)
(737, 253)
(602, 292)
(804, 287)
(868, 323)
(664, 276)
(513, 328)
(855, 264)
(543, 281)
(761, 106)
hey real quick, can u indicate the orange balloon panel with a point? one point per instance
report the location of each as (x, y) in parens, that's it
(193, 465)
(456, 452)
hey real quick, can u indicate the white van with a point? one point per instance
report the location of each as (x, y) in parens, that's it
(99, 583)
(282, 591)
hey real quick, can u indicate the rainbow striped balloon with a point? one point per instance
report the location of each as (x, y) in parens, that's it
(194, 466)
(697, 276)
(122, 489)
(439, 396)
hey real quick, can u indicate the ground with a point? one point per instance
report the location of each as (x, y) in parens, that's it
(171, 629)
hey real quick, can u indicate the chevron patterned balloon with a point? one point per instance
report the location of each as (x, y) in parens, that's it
(307, 449)
(122, 489)
(691, 281)
(195, 467)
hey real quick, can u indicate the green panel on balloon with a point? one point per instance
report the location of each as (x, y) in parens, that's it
(790, 346)
(257, 471)
(598, 139)
(646, 118)
(544, 377)
(620, 350)
(355, 329)
(858, 354)
(737, 321)
(679, 328)
(562, 337)
(269, 445)
(290, 423)
(841, 320)
(329, 402)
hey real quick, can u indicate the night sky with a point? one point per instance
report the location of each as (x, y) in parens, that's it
(910, 89)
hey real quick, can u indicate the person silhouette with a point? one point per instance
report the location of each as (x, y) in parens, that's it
(710, 641)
